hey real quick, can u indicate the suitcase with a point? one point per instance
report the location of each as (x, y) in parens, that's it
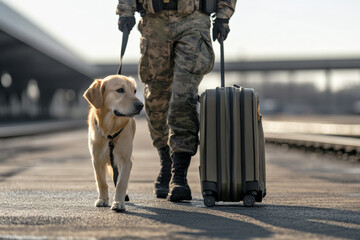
(232, 145)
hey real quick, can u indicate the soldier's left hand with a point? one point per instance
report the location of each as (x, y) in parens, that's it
(220, 29)
(126, 22)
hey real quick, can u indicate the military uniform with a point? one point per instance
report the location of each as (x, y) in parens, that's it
(176, 52)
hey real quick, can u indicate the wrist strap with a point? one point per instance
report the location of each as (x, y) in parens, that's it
(125, 38)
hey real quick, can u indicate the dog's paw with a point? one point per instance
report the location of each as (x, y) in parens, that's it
(101, 203)
(118, 206)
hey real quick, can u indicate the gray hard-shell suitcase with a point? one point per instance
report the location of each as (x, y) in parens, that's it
(232, 146)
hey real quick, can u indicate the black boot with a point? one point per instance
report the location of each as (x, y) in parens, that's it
(161, 189)
(179, 188)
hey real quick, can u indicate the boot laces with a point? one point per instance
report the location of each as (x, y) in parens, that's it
(179, 176)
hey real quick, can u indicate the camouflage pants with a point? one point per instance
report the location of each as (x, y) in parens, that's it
(176, 54)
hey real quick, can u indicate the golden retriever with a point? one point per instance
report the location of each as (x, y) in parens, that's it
(113, 104)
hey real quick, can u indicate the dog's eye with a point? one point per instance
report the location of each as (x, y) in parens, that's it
(120, 90)
(135, 91)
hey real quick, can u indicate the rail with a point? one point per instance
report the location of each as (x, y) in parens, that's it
(39, 127)
(342, 139)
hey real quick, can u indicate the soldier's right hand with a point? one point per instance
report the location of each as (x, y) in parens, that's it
(126, 22)
(220, 29)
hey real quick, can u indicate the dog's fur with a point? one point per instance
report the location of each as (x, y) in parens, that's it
(113, 104)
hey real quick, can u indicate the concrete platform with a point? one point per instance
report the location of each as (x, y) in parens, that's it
(47, 191)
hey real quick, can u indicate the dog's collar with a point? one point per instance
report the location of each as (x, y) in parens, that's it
(111, 137)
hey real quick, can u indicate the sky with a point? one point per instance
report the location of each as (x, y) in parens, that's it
(259, 29)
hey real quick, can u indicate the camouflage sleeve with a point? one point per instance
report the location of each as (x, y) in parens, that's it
(225, 8)
(126, 8)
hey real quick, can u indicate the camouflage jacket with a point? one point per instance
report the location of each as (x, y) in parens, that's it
(225, 8)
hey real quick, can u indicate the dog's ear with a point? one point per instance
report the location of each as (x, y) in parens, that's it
(94, 94)
(132, 80)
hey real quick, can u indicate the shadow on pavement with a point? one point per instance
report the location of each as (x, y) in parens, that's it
(204, 224)
(320, 221)
(324, 221)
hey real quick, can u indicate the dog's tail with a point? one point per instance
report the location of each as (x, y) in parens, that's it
(113, 170)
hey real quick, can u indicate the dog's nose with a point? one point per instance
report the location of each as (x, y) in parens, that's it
(139, 105)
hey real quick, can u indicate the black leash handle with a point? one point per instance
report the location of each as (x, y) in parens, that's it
(125, 38)
(222, 62)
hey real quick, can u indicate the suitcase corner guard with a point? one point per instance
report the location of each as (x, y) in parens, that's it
(209, 188)
(252, 186)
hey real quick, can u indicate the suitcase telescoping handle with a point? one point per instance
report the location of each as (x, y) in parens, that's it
(222, 62)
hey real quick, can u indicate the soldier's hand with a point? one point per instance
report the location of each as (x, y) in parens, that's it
(126, 22)
(220, 28)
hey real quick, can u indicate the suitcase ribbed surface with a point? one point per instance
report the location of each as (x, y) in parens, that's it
(232, 159)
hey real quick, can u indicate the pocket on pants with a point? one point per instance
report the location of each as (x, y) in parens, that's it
(205, 56)
(144, 61)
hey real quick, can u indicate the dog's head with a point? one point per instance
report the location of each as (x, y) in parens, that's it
(115, 93)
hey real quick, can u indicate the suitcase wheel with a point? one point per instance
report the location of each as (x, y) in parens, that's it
(249, 200)
(209, 201)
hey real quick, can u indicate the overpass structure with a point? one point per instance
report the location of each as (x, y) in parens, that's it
(262, 66)
(292, 65)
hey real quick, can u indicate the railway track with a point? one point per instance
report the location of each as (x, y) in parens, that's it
(342, 140)
(39, 127)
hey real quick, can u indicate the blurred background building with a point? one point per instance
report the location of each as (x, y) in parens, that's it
(302, 58)
(40, 79)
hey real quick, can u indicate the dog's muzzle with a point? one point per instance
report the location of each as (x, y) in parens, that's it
(138, 107)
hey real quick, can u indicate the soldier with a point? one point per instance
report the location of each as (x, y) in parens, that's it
(176, 52)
